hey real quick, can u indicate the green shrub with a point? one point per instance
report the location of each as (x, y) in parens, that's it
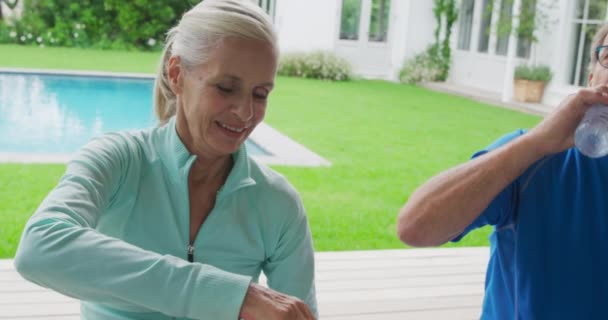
(425, 66)
(316, 65)
(534, 73)
(107, 24)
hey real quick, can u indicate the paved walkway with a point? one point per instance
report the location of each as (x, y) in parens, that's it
(488, 97)
(415, 284)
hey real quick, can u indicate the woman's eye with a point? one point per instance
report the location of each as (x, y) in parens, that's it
(224, 89)
(262, 94)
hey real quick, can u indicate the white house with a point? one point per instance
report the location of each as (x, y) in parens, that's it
(376, 36)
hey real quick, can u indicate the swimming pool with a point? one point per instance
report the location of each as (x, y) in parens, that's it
(57, 114)
(45, 116)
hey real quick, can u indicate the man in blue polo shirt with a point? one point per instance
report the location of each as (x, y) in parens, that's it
(548, 204)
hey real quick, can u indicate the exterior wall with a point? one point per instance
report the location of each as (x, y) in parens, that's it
(415, 31)
(370, 61)
(555, 44)
(478, 70)
(399, 51)
(307, 25)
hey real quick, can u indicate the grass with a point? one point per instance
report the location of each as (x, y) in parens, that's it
(15, 56)
(22, 189)
(383, 140)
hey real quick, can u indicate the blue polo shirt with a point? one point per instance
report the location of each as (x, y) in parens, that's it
(549, 247)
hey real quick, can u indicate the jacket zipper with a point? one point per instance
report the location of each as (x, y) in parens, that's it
(191, 245)
(190, 253)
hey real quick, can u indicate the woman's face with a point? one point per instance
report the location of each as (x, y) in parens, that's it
(220, 102)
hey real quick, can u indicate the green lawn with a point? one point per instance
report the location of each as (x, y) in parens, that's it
(23, 187)
(14, 56)
(383, 140)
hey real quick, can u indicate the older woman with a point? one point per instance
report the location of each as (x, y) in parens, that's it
(178, 221)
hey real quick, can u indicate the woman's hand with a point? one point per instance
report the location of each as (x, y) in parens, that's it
(556, 132)
(262, 303)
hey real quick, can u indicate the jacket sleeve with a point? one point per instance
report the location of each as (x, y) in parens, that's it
(60, 248)
(291, 267)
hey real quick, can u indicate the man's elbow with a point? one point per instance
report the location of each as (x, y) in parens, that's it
(415, 233)
(412, 237)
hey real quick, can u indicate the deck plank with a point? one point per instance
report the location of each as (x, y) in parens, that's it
(356, 285)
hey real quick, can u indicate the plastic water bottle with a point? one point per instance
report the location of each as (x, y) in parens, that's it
(591, 135)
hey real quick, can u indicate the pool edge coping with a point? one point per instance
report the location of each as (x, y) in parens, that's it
(84, 73)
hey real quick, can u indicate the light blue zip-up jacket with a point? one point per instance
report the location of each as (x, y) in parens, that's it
(114, 233)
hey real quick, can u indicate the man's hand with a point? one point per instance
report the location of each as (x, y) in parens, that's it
(556, 132)
(266, 304)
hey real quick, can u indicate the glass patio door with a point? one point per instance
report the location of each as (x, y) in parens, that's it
(363, 36)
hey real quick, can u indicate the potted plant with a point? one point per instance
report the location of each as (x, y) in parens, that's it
(530, 82)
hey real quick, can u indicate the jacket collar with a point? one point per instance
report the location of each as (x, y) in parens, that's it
(178, 161)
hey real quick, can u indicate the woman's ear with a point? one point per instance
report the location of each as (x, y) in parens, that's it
(175, 73)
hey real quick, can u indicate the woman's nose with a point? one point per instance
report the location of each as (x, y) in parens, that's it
(243, 108)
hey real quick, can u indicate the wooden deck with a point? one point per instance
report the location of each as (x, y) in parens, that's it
(354, 285)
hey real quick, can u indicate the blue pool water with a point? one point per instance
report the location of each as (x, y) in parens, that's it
(57, 114)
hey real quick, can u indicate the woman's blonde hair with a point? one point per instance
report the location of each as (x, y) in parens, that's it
(197, 34)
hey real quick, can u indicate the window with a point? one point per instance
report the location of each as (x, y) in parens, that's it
(349, 23)
(597, 10)
(524, 46)
(584, 38)
(502, 35)
(465, 24)
(589, 15)
(524, 42)
(378, 25)
(268, 6)
(484, 31)
(506, 14)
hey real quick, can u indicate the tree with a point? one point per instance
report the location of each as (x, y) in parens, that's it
(114, 24)
(444, 11)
